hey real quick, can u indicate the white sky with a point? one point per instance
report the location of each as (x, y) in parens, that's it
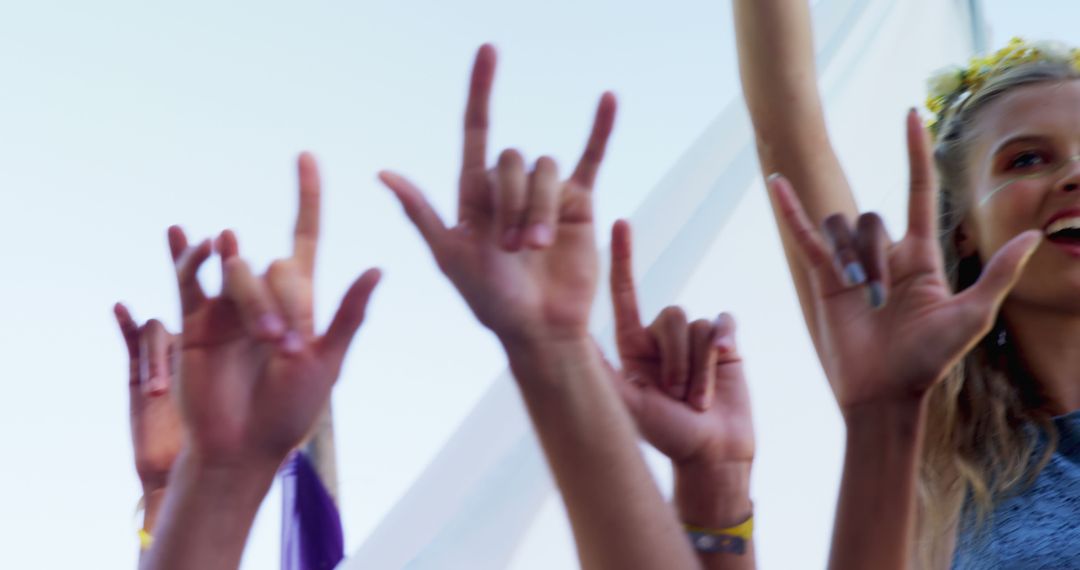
(118, 118)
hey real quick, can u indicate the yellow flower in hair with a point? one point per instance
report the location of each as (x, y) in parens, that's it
(945, 82)
(950, 87)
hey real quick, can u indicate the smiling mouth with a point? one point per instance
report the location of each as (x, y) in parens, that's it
(1064, 230)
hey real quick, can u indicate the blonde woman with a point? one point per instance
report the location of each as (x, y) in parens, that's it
(999, 483)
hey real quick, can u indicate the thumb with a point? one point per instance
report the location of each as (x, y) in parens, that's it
(417, 208)
(998, 277)
(350, 315)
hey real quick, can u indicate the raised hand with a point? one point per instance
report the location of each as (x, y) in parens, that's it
(684, 386)
(254, 373)
(523, 250)
(155, 421)
(683, 383)
(254, 378)
(890, 327)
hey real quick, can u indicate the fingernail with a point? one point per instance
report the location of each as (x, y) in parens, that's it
(271, 324)
(512, 239)
(854, 274)
(877, 294)
(724, 343)
(539, 235)
(292, 342)
(772, 177)
(157, 385)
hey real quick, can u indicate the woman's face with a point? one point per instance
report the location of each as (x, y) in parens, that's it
(1024, 169)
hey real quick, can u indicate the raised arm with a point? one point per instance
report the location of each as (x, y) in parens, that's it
(155, 421)
(254, 378)
(684, 385)
(523, 255)
(779, 80)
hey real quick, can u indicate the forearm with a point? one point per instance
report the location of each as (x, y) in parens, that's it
(716, 497)
(875, 515)
(779, 80)
(618, 516)
(207, 513)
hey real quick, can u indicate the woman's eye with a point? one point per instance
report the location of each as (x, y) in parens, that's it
(1026, 160)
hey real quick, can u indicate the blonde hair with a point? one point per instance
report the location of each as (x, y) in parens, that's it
(980, 445)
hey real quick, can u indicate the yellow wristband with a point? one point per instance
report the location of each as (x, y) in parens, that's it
(731, 539)
(145, 539)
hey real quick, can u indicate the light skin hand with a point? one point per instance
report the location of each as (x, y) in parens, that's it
(683, 383)
(522, 252)
(255, 374)
(918, 327)
(155, 421)
(254, 379)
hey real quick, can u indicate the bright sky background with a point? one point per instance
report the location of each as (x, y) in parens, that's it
(119, 118)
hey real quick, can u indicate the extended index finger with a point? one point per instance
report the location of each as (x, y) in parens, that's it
(476, 110)
(589, 165)
(623, 292)
(306, 234)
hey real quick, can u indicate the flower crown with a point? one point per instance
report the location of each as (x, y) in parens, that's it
(952, 86)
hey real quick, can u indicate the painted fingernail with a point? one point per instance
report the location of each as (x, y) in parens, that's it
(292, 342)
(539, 235)
(271, 324)
(854, 274)
(512, 238)
(876, 291)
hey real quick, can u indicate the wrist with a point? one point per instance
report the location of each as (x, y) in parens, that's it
(713, 494)
(548, 356)
(238, 481)
(901, 417)
(151, 502)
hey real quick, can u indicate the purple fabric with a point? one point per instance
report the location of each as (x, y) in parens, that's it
(311, 536)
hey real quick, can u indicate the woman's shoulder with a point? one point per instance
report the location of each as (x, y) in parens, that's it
(1039, 526)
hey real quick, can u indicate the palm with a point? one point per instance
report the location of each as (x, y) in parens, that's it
(552, 287)
(247, 387)
(723, 432)
(902, 348)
